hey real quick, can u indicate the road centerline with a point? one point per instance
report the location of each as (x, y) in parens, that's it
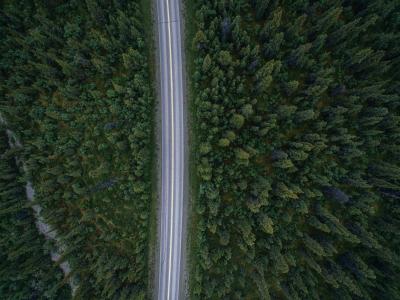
(172, 149)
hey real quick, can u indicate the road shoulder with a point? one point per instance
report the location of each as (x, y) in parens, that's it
(149, 16)
(191, 246)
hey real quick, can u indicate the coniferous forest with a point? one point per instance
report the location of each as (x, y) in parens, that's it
(296, 120)
(75, 90)
(295, 149)
(26, 270)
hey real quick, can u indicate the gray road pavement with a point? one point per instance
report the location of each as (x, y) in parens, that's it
(172, 145)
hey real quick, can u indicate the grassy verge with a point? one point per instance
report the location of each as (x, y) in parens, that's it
(148, 23)
(192, 246)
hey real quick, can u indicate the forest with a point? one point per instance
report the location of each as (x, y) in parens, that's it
(295, 145)
(297, 149)
(21, 245)
(76, 91)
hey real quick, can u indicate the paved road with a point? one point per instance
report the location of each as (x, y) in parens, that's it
(170, 268)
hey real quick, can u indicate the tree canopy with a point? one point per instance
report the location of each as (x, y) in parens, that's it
(297, 196)
(75, 88)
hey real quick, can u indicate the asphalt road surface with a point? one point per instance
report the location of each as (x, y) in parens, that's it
(172, 160)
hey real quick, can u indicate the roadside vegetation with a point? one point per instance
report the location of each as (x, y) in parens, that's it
(75, 88)
(297, 154)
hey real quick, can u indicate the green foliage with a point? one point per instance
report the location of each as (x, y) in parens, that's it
(76, 90)
(237, 120)
(26, 270)
(298, 191)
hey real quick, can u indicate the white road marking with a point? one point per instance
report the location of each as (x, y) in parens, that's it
(173, 151)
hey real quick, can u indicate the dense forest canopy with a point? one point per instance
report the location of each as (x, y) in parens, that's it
(296, 109)
(296, 124)
(75, 89)
(26, 270)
